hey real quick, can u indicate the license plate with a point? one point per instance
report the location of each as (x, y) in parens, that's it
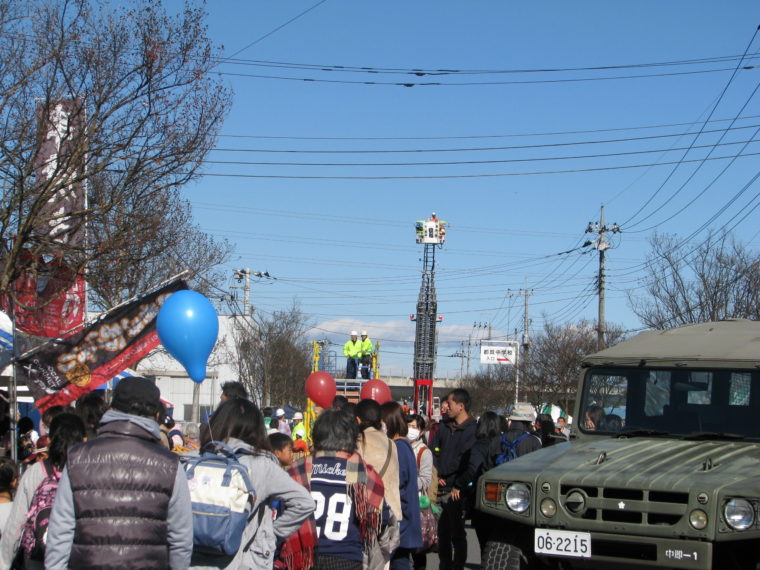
(562, 543)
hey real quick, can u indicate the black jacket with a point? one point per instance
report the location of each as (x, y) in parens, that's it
(482, 458)
(454, 443)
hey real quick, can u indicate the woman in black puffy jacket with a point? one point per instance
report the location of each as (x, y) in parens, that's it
(482, 458)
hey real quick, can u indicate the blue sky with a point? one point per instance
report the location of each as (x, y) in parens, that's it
(339, 237)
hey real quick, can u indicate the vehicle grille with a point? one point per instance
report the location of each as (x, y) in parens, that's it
(632, 506)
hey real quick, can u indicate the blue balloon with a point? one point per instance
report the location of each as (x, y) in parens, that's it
(188, 325)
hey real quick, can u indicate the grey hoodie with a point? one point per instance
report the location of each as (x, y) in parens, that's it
(179, 519)
(271, 483)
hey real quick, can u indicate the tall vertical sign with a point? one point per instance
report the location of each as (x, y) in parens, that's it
(49, 298)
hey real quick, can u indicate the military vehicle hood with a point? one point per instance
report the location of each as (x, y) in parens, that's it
(665, 464)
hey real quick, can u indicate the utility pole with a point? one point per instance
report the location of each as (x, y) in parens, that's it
(601, 245)
(525, 341)
(244, 275)
(475, 326)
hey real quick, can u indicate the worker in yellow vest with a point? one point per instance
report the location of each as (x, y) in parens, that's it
(352, 351)
(366, 355)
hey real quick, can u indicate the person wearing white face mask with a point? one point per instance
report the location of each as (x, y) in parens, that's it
(416, 425)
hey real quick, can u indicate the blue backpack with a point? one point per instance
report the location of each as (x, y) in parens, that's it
(509, 448)
(222, 498)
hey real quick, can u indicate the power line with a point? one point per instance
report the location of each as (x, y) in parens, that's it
(493, 161)
(479, 149)
(474, 83)
(492, 136)
(473, 175)
(693, 200)
(420, 72)
(701, 130)
(265, 36)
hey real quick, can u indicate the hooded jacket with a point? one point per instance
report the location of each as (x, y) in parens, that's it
(271, 482)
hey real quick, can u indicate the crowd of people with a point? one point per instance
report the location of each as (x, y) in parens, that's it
(372, 487)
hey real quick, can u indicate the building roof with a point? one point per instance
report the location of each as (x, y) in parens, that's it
(721, 344)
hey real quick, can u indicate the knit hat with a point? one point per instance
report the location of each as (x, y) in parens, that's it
(135, 389)
(522, 412)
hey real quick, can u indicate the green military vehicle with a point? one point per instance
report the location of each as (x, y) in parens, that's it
(663, 470)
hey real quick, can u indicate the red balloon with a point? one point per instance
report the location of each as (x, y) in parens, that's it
(320, 387)
(377, 390)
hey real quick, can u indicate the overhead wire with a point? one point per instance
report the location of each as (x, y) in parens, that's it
(409, 84)
(696, 137)
(489, 136)
(468, 162)
(374, 70)
(481, 148)
(472, 175)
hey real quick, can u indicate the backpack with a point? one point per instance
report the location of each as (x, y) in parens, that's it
(509, 448)
(34, 529)
(222, 497)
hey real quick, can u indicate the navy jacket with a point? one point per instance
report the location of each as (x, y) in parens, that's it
(410, 527)
(454, 441)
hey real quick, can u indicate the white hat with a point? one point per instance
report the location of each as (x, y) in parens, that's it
(354, 333)
(522, 412)
(364, 333)
(279, 412)
(298, 416)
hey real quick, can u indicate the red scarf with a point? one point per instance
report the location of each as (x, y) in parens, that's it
(366, 490)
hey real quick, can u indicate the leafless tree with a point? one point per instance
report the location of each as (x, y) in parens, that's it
(551, 372)
(491, 389)
(548, 374)
(718, 280)
(175, 245)
(273, 356)
(142, 111)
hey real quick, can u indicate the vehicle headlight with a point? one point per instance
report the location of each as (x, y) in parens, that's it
(518, 497)
(739, 513)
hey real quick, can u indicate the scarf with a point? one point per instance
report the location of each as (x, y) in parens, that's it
(366, 490)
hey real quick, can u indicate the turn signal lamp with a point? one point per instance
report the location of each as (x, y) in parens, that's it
(492, 492)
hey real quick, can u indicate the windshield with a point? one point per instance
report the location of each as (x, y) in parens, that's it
(671, 401)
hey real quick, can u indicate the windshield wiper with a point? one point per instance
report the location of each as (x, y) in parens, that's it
(642, 432)
(712, 435)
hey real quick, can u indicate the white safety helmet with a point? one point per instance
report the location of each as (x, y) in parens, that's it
(298, 416)
(354, 333)
(279, 413)
(364, 333)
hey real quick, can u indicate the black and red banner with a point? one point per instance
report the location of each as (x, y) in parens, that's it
(65, 369)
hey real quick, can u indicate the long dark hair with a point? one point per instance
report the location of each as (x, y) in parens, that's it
(395, 424)
(240, 419)
(489, 425)
(369, 414)
(66, 430)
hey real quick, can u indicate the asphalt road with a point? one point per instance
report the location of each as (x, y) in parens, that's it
(473, 552)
